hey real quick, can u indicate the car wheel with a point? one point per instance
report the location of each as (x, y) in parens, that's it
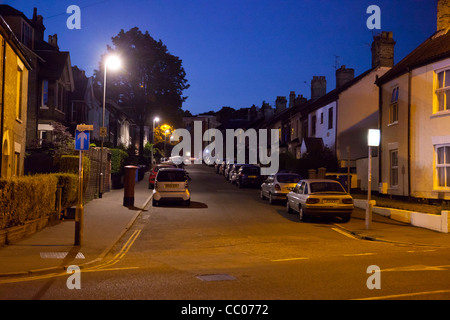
(155, 203)
(345, 218)
(187, 203)
(288, 207)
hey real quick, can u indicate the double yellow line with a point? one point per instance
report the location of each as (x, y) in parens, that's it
(101, 267)
(120, 254)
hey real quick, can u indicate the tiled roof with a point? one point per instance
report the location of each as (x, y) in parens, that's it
(435, 48)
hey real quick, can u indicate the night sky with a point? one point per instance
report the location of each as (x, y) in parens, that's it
(241, 52)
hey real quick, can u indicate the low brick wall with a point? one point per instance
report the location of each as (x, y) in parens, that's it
(434, 222)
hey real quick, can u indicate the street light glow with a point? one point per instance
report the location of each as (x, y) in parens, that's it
(113, 62)
(156, 119)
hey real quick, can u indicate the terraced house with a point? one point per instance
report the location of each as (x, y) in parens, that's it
(415, 118)
(14, 68)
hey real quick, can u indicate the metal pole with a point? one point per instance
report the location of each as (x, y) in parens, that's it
(369, 191)
(100, 188)
(79, 213)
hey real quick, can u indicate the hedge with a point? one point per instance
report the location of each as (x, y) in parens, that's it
(26, 198)
(118, 157)
(70, 164)
(32, 197)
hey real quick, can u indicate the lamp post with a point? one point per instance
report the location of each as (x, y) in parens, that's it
(373, 139)
(155, 119)
(165, 138)
(114, 63)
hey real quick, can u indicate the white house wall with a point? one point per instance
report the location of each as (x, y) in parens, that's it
(322, 128)
(428, 129)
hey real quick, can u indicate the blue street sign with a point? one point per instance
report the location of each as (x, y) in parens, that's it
(82, 140)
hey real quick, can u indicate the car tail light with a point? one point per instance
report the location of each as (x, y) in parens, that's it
(312, 201)
(277, 187)
(347, 201)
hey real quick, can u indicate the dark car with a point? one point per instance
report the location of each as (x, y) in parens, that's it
(154, 172)
(249, 175)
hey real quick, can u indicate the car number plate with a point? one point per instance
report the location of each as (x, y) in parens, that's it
(252, 177)
(333, 201)
(171, 186)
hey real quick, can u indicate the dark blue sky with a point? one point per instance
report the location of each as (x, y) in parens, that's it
(240, 52)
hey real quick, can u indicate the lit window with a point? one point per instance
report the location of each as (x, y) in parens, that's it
(19, 93)
(393, 108)
(443, 166)
(443, 90)
(394, 168)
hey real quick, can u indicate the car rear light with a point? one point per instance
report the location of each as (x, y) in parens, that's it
(347, 201)
(277, 187)
(312, 201)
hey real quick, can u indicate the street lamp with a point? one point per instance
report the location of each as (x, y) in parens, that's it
(155, 119)
(165, 138)
(373, 140)
(112, 62)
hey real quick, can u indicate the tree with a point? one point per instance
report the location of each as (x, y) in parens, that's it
(150, 83)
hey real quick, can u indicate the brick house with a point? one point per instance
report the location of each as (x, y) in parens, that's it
(14, 69)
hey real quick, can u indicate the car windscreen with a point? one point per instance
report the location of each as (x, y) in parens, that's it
(251, 170)
(169, 175)
(288, 178)
(326, 187)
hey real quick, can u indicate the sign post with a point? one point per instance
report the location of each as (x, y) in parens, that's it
(81, 144)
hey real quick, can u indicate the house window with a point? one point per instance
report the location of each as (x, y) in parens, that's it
(393, 107)
(27, 35)
(443, 90)
(44, 93)
(19, 93)
(394, 168)
(443, 166)
(330, 118)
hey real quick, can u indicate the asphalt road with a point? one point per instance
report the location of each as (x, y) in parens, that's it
(230, 245)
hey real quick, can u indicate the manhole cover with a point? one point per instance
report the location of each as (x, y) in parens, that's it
(216, 277)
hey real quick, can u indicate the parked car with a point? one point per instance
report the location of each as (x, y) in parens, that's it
(234, 173)
(249, 175)
(228, 167)
(171, 185)
(154, 172)
(277, 186)
(320, 197)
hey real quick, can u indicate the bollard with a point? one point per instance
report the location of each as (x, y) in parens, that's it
(129, 182)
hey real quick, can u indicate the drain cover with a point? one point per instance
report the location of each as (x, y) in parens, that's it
(216, 277)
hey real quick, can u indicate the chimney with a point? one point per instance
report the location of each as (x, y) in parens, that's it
(292, 99)
(53, 40)
(344, 75)
(383, 50)
(39, 28)
(280, 104)
(443, 15)
(318, 87)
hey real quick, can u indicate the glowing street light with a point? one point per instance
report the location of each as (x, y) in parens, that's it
(373, 140)
(112, 62)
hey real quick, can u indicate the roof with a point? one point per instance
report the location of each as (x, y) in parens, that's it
(435, 48)
(16, 45)
(55, 62)
(6, 10)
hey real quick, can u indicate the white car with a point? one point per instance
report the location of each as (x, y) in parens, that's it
(171, 185)
(320, 197)
(277, 186)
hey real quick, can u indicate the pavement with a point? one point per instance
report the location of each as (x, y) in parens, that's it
(106, 220)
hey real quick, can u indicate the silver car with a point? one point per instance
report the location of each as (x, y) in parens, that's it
(171, 185)
(277, 186)
(320, 197)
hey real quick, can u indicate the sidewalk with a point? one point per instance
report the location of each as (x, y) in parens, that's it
(105, 221)
(388, 230)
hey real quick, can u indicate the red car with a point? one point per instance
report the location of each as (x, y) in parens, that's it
(151, 178)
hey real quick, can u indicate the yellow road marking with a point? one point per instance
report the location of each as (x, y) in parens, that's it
(404, 295)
